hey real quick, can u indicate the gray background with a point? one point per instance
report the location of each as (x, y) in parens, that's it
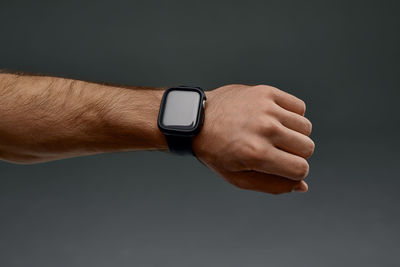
(153, 209)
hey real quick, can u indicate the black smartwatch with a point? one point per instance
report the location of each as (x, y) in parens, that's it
(181, 117)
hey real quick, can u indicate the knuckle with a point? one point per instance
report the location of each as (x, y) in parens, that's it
(265, 89)
(311, 149)
(272, 128)
(261, 156)
(270, 108)
(247, 151)
(308, 127)
(301, 170)
(249, 154)
(253, 156)
(272, 91)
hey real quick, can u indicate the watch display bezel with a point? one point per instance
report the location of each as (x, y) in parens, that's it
(182, 130)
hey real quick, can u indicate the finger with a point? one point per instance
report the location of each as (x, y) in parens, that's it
(262, 182)
(278, 162)
(293, 121)
(294, 142)
(301, 187)
(289, 102)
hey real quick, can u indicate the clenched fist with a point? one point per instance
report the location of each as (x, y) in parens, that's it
(257, 138)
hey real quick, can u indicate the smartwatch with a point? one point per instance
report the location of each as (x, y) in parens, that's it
(181, 117)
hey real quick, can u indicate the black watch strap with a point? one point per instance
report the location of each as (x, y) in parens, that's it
(181, 145)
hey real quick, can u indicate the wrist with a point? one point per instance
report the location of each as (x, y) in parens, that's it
(131, 122)
(181, 117)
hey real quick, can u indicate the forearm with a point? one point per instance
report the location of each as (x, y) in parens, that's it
(47, 118)
(256, 137)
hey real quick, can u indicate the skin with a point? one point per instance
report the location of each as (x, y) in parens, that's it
(268, 141)
(256, 137)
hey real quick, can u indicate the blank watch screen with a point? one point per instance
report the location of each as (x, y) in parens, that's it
(181, 108)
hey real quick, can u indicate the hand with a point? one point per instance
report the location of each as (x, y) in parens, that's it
(256, 137)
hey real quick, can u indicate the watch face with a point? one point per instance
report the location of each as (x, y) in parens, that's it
(181, 108)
